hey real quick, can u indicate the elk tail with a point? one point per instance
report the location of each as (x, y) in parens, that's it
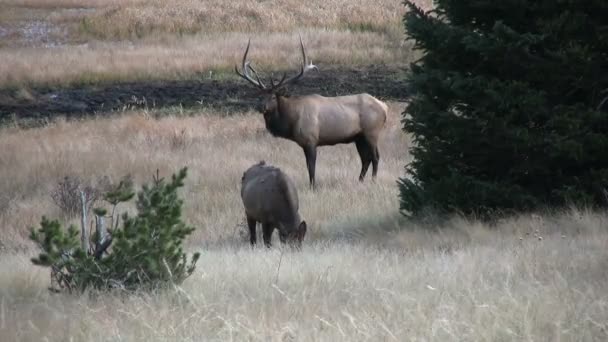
(384, 107)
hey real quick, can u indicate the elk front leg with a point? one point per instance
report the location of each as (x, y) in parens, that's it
(267, 232)
(252, 234)
(365, 153)
(311, 159)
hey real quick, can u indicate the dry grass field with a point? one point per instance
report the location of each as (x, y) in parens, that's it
(488, 287)
(187, 57)
(364, 274)
(216, 148)
(68, 41)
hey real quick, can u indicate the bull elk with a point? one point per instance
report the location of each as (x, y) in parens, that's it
(314, 120)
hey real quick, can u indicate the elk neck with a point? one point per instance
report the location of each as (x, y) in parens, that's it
(281, 124)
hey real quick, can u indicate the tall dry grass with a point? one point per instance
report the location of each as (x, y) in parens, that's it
(186, 16)
(203, 53)
(469, 283)
(137, 18)
(216, 149)
(363, 274)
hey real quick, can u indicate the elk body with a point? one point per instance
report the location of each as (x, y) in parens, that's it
(314, 120)
(270, 197)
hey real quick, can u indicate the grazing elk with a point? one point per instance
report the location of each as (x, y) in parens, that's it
(314, 120)
(270, 197)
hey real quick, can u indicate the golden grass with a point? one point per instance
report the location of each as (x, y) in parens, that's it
(136, 18)
(488, 289)
(53, 4)
(93, 41)
(187, 16)
(198, 54)
(216, 150)
(363, 273)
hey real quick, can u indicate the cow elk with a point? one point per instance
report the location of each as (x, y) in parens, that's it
(270, 197)
(314, 120)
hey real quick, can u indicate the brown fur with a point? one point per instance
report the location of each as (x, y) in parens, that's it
(315, 120)
(270, 197)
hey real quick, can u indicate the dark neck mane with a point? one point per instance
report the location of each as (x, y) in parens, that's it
(281, 125)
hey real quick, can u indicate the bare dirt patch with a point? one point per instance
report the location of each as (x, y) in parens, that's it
(385, 82)
(24, 27)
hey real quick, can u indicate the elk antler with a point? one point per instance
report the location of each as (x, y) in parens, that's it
(304, 68)
(246, 66)
(255, 74)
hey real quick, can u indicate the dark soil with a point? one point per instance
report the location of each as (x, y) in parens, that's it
(382, 81)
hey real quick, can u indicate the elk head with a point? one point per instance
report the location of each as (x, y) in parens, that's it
(295, 236)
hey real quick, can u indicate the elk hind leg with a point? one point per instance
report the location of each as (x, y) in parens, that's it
(310, 152)
(365, 152)
(375, 161)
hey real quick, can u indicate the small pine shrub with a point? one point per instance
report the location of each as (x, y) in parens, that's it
(146, 249)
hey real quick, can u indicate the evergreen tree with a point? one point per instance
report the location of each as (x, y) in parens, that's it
(507, 111)
(146, 251)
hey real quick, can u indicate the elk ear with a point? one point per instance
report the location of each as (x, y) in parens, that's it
(281, 91)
